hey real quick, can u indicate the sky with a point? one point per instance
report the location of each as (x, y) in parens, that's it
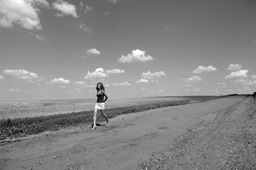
(137, 48)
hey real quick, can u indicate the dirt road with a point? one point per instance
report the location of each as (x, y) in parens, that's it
(126, 142)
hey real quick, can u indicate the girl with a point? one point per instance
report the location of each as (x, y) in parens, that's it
(100, 105)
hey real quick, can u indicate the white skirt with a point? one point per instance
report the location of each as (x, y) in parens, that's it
(100, 106)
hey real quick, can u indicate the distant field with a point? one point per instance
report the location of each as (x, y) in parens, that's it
(35, 123)
(34, 108)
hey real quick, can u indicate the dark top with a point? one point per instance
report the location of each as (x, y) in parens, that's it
(100, 97)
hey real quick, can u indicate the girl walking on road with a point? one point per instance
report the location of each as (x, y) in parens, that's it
(100, 104)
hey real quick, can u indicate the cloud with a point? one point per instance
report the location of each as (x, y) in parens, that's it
(115, 71)
(197, 89)
(244, 89)
(99, 73)
(186, 85)
(245, 82)
(83, 27)
(1, 77)
(87, 9)
(192, 79)
(135, 56)
(81, 83)
(60, 81)
(253, 76)
(222, 84)
(201, 69)
(93, 51)
(113, 1)
(77, 89)
(122, 84)
(237, 74)
(150, 76)
(23, 75)
(81, 4)
(65, 8)
(234, 67)
(13, 90)
(21, 12)
(38, 37)
(142, 81)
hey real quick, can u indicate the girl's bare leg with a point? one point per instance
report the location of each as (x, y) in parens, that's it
(94, 119)
(105, 116)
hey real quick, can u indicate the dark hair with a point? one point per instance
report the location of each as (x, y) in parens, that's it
(102, 87)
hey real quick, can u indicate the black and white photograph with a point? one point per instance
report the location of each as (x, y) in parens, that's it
(127, 84)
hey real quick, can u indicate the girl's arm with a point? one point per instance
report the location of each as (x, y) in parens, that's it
(106, 97)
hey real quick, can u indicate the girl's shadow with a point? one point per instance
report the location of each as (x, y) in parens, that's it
(98, 124)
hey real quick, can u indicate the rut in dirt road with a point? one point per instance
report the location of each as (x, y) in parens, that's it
(227, 142)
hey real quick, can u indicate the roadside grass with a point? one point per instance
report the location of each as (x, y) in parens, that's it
(20, 127)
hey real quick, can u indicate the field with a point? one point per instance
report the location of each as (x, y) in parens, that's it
(44, 107)
(26, 123)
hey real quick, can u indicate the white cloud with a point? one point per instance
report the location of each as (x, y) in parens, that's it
(81, 4)
(93, 51)
(115, 71)
(142, 81)
(21, 12)
(149, 75)
(38, 37)
(99, 73)
(193, 78)
(201, 69)
(253, 76)
(83, 27)
(23, 75)
(186, 85)
(1, 77)
(196, 89)
(60, 81)
(237, 74)
(81, 83)
(245, 89)
(122, 84)
(87, 9)
(13, 90)
(245, 82)
(135, 56)
(113, 1)
(77, 89)
(65, 8)
(234, 67)
(222, 84)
